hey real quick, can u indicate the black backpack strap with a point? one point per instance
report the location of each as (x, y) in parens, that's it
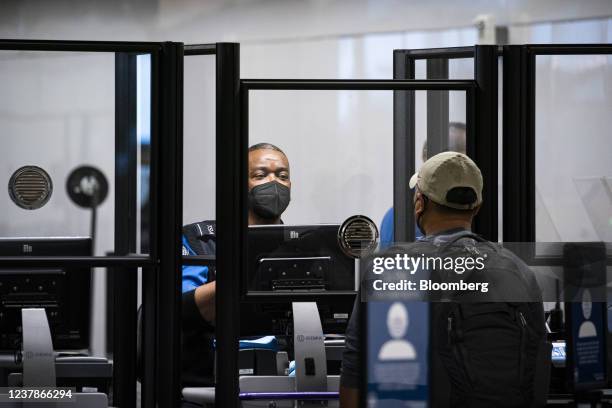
(453, 238)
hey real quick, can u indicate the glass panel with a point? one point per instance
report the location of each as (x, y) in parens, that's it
(427, 126)
(338, 159)
(434, 133)
(461, 68)
(573, 157)
(458, 68)
(199, 139)
(339, 145)
(57, 112)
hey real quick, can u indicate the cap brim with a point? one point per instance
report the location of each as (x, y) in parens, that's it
(413, 180)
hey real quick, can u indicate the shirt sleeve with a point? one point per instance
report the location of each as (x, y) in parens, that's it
(192, 275)
(351, 367)
(191, 315)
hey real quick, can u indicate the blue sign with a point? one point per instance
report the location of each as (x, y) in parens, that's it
(588, 333)
(397, 361)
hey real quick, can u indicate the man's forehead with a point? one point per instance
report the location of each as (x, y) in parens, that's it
(267, 156)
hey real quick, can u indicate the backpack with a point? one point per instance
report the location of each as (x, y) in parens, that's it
(486, 350)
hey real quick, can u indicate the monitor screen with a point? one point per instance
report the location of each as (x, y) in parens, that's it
(64, 293)
(558, 354)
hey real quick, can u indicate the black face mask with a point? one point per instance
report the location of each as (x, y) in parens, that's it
(269, 200)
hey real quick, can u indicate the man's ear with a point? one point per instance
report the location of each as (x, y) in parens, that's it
(476, 210)
(418, 202)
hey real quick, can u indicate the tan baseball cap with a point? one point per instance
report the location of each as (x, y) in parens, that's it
(445, 171)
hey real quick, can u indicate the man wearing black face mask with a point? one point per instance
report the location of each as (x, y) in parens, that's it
(269, 184)
(269, 195)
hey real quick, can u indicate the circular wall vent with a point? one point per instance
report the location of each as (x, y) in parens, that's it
(30, 187)
(358, 236)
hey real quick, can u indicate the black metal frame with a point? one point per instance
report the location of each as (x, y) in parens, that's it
(161, 283)
(482, 141)
(122, 327)
(230, 165)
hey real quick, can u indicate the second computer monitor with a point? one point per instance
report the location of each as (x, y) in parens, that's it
(286, 258)
(296, 263)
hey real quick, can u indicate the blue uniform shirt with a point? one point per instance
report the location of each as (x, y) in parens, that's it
(198, 239)
(386, 230)
(193, 275)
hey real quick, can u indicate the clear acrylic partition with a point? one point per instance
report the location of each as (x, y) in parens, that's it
(57, 112)
(572, 147)
(463, 68)
(455, 139)
(458, 68)
(199, 139)
(339, 145)
(340, 149)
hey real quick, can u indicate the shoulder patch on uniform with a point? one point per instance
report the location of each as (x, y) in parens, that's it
(200, 229)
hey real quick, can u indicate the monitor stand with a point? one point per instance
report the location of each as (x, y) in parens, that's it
(309, 349)
(38, 363)
(38, 358)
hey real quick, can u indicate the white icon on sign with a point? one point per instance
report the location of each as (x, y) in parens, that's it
(587, 328)
(397, 324)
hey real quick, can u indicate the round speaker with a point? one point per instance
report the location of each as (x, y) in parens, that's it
(30, 187)
(358, 236)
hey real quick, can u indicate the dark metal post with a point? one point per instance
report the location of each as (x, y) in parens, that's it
(482, 144)
(231, 203)
(403, 150)
(169, 221)
(519, 145)
(437, 109)
(123, 281)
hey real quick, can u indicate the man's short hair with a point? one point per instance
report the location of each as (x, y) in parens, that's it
(265, 146)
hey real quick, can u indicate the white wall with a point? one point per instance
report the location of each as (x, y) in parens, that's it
(268, 20)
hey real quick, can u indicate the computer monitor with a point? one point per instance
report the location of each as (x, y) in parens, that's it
(292, 263)
(65, 293)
